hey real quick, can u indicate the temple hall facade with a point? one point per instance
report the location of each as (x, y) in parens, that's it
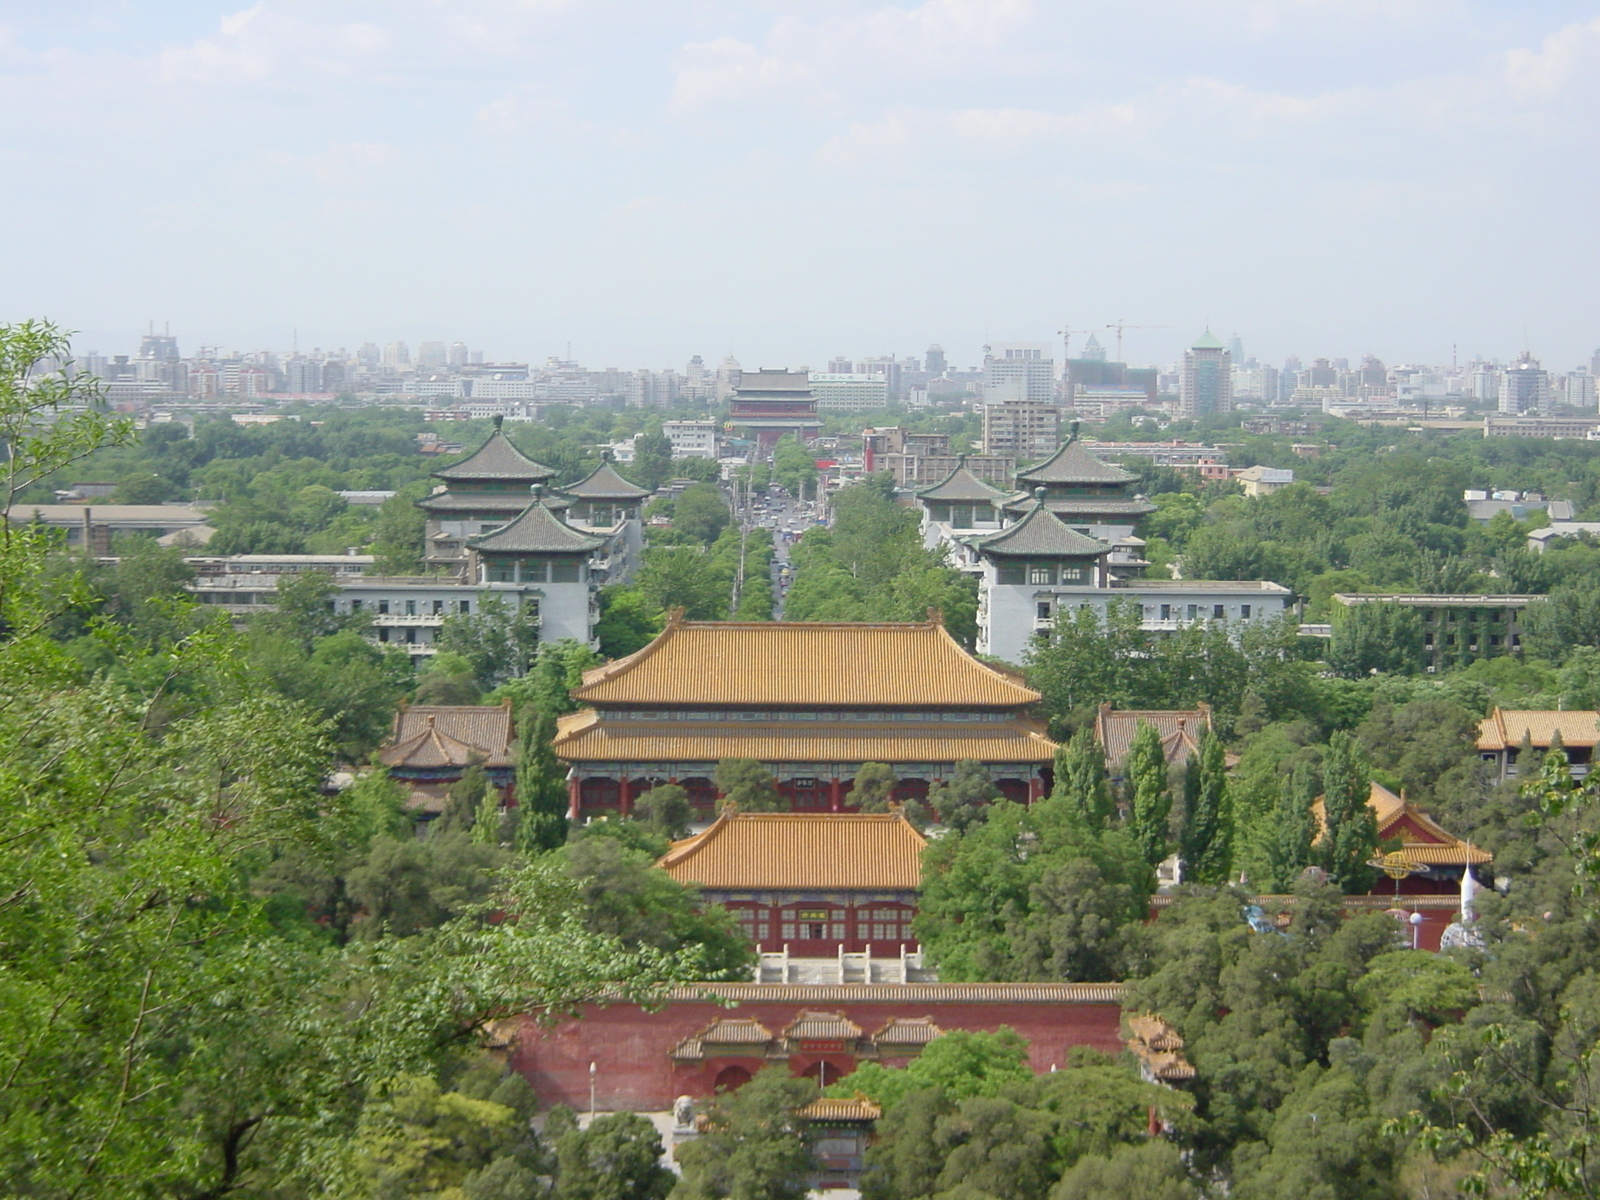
(810, 702)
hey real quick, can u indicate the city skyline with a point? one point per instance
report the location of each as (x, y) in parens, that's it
(787, 181)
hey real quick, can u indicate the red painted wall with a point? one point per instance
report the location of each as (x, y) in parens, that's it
(631, 1048)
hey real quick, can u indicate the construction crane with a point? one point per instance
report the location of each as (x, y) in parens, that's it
(1119, 326)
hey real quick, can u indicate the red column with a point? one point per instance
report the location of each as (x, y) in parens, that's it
(1035, 788)
(624, 796)
(574, 798)
(833, 795)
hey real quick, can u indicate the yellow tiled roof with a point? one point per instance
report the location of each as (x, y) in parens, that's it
(735, 1030)
(827, 1108)
(814, 851)
(779, 663)
(587, 737)
(812, 1026)
(1437, 847)
(1503, 729)
(907, 1031)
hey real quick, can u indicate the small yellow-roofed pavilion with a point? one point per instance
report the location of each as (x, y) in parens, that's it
(809, 701)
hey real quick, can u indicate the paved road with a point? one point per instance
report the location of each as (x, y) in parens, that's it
(780, 514)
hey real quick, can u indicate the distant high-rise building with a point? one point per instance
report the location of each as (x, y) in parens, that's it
(431, 354)
(458, 354)
(934, 361)
(159, 347)
(1236, 348)
(302, 374)
(1205, 385)
(1093, 351)
(1486, 382)
(728, 377)
(369, 355)
(1025, 430)
(397, 354)
(1578, 389)
(1524, 386)
(1019, 371)
(839, 365)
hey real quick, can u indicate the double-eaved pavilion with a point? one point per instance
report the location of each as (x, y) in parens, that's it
(810, 702)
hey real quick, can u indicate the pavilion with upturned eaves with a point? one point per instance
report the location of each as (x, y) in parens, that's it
(810, 702)
(487, 489)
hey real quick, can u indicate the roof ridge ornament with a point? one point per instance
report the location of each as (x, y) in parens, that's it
(499, 421)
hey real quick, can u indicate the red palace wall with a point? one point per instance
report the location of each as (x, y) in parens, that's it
(632, 1048)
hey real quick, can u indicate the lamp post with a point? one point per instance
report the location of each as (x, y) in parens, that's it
(591, 1093)
(1416, 928)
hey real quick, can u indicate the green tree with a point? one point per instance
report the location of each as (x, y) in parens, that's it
(1149, 793)
(1205, 842)
(746, 783)
(1080, 777)
(1153, 1171)
(754, 1144)
(665, 809)
(874, 786)
(793, 466)
(629, 621)
(542, 802)
(652, 458)
(449, 679)
(618, 1157)
(684, 577)
(1350, 828)
(1378, 637)
(500, 640)
(964, 799)
(1293, 829)
(701, 511)
(627, 897)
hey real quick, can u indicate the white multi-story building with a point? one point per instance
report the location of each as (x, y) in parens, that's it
(1525, 386)
(1069, 545)
(1019, 371)
(1578, 389)
(849, 392)
(692, 439)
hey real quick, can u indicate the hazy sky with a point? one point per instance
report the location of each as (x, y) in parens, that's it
(786, 180)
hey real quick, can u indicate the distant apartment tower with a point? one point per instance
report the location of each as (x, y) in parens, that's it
(1524, 386)
(934, 361)
(1025, 430)
(459, 357)
(396, 354)
(1019, 371)
(302, 375)
(728, 375)
(1205, 385)
(431, 354)
(849, 392)
(1578, 389)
